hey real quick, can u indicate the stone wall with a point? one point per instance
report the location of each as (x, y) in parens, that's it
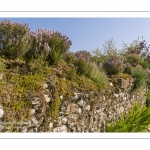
(84, 112)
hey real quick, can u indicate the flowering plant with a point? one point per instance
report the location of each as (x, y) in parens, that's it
(15, 40)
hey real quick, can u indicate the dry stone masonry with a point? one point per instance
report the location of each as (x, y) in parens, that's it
(84, 112)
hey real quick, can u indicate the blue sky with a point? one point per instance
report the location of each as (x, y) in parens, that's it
(90, 33)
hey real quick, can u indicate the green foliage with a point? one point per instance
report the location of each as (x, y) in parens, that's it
(59, 45)
(148, 98)
(54, 107)
(138, 47)
(122, 75)
(82, 62)
(37, 64)
(39, 48)
(17, 109)
(86, 67)
(134, 48)
(15, 39)
(133, 59)
(71, 75)
(2, 66)
(2, 83)
(48, 46)
(148, 82)
(101, 55)
(70, 57)
(140, 77)
(27, 83)
(128, 68)
(98, 56)
(97, 75)
(137, 120)
(144, 63)
(113, 65)
(82, 67)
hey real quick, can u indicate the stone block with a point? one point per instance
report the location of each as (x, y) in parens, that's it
(124, 84)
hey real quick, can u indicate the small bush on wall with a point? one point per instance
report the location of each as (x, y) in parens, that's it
(15, 39)
(113, 65)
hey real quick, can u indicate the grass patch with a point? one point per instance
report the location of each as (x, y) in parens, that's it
(137, 120)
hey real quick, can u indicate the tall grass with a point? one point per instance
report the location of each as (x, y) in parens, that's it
(137, 120)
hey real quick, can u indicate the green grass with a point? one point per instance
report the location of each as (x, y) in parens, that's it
(137, 120)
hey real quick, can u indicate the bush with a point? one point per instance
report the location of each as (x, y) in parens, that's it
(144, 63)
(37, 65)
(86, 67)
(140, 77)
(48, 44)
(137, 120)
(97, 75)
(101, 55)
(91, 70)
(82, 62)
(82, 67)
(98, 56)
(15, 39)
(133, 59)
(113, 65)
(70, 57)
(40, 47)
(59, 45)
(128, 68)
(84, 55)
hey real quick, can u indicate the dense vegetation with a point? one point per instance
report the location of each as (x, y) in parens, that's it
(29, 59)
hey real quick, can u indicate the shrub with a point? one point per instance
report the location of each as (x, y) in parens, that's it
(144, 63)
(137, 120)
(128, 68)
(48, 44)
(15, 39)
(133, 59)
(59, 45)
(98, 56)
(113, 65)
(70, 57)
(82, 67)
(37, 65)
(97, 75)
(86, 67)
(82, 62)
(138, 47)
(140, 77)
(40, 47)
(84, 55)
(101, 55)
